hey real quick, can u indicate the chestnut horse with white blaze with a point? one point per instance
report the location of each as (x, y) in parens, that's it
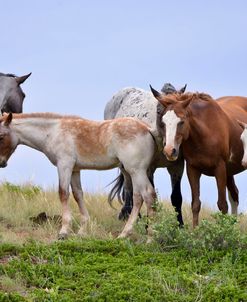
(72, 143)
(208, 133)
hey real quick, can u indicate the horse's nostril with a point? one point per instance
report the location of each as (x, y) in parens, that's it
(174, 151)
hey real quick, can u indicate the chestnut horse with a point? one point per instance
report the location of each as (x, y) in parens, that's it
(209, 135)
(72, 144)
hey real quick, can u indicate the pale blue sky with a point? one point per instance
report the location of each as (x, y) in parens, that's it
(82, 52)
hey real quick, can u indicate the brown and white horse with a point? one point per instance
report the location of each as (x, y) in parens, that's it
(209, 135)
(72, 144)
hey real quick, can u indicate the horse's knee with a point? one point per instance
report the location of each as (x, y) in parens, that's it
(196, 206)
(176, 196)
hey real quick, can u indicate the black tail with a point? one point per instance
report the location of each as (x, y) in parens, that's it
(124, 196)
(116, 190)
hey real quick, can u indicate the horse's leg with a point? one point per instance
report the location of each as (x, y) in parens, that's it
(127, 197)
(137, 203)
(221, 180)
(142, 190)
(149, 197)
(176, 172)
(78, 195)
(194, 180)
(64, 175)
(233, 194)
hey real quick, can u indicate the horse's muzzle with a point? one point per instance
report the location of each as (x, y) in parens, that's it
(3, 164)
(171, 153)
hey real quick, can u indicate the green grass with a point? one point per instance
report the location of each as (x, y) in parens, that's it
(205, 264)
(111, 270)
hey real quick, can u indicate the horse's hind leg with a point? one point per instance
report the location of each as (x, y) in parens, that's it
(137, 203)
(233, 194)
(142, 190)
(78, 195)
(176, 173)
(221, 179)
(127, 195)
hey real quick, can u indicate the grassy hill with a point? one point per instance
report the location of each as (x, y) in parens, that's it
(207, 264)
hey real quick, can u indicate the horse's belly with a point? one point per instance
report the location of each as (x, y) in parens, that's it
(96, 163)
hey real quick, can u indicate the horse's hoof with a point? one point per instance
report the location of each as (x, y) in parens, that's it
(62, 236)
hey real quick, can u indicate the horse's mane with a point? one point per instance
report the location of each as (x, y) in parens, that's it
(176, 97)
(45, 115)
(11, 75)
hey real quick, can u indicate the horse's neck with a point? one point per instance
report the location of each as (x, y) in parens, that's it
(206, 119)
(33, 132)
(2, 95)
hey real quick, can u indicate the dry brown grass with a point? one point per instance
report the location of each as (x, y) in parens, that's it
(19, 203)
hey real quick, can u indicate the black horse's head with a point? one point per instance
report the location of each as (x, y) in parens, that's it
(11, 94)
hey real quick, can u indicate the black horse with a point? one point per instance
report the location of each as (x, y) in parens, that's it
(141, 104)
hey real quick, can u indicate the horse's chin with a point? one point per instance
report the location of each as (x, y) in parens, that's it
(171, 158)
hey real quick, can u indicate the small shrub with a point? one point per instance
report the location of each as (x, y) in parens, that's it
(220, 233)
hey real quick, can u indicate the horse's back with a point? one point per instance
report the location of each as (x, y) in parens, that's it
(234, 106)
(133, 102)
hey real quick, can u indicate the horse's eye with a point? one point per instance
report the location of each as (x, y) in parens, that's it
(181, 123)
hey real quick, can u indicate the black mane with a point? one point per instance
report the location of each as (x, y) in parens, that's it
(11, 75)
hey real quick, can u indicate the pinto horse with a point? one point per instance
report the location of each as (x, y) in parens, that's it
(72, 144)
(208, 133)
(138, 103)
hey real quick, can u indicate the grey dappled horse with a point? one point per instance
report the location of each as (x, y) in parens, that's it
(135, 102)
(11, 94)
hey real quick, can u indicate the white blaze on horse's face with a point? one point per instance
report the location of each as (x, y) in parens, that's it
(244, 141)
(171, 121)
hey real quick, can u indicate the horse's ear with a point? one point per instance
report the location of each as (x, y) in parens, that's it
(22, 79)
(182, 90)
(8, 120)
(241, 124)
(156, 94)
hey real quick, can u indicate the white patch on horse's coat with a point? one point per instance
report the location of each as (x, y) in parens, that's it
(171, 120)
(234, 204)
(244, 141)
(231, 156)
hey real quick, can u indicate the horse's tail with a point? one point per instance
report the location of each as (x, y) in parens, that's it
(116, 190)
